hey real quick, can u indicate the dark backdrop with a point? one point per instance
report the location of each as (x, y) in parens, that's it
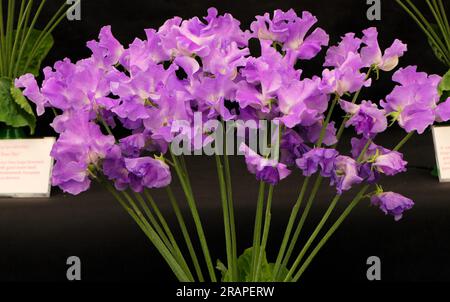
(37, 236)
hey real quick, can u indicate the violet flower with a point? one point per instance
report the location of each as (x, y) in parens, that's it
(344, 173)
(371, 53)
(268, 170)
(367, 119)
(392, 203)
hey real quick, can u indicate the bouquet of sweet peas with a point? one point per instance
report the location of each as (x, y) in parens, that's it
(127, 117)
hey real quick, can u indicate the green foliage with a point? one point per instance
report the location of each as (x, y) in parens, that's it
(15, 111)
(245, 266)
(22, 50)
(444, 85)
(41, 51)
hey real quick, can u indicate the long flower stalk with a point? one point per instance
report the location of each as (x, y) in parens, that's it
(185, 232)
(195, 215)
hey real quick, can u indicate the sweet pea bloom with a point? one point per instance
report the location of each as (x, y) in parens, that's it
(414, 103)
(371, 53)
(367, 119)
(147, 172)
(344, 173)
(318, 158)
(268, 170)
(392, 203)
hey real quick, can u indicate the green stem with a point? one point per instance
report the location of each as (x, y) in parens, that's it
(151, 234)
(290, 225)
(428, 32)
(257, 228)
(150, 217)
(330, 232)
(312, 237)
(301, 223)
(168, 231)
(226, 216)
(403, 141)
(230, 207)
(18, 29)
(196, 217)
(51, 25)
(265, 235)
(25, 41)
(444, 18)
(3, 63)
(185, 232)
(437, 16)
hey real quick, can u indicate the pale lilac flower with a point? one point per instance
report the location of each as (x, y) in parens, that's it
(107, 51)
(302, 103)
(367, 119)
(292, 147)
(347, 78)
(344, 173)
(268, 170)
(147, 172)
(315, 159)
(390, 163)
(413, 103)
(371, 53)
(392, 203)
(291, 31)
(337, 55)
(80, 145)
(32, 92)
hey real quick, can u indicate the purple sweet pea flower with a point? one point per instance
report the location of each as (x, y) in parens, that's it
(292, 147)
(372, 56)
(312, 133)
(413, 103)
(79, 145)
(392, 203)
(268, 170)
(147, 172)
(107, 51)
(302, 103)
(32, 92)
(345, 78)
(291, 31)
(114, 168)
(390, 163)
(337, 55)
(345, 173)
(443, 111)
(366, 118)
(317, 158)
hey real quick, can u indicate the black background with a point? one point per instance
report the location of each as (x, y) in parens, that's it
(37, 236)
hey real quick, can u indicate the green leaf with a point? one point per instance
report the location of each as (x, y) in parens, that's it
(15, 111)
(245, 264)
(444, 87)
(39, 55)
(434, 46)
(223, 270)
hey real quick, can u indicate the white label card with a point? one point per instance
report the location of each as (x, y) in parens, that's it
(441, 137)
(25, 167)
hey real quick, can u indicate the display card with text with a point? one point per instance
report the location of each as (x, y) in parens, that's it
(25, 167)
(441, 137)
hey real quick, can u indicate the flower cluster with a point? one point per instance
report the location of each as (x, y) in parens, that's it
(206, 67)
